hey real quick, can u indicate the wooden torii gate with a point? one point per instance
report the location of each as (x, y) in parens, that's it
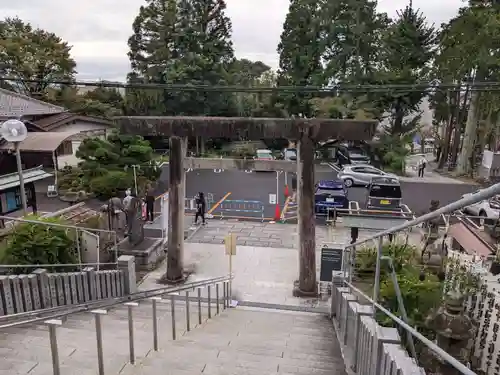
(305, 132)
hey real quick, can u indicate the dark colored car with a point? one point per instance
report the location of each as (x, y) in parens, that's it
(384, 193)
(330, 194)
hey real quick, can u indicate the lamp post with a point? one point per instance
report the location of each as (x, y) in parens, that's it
(15, 131)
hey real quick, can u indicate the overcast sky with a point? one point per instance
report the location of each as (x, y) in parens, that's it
(98, 29)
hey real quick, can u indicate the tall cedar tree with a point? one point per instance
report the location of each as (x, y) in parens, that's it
(151, 46)
(353, 39)
(300, 51)
(408, 49)
(203, 56)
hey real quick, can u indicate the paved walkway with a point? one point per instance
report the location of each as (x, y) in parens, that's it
(271, 235)
(262, 274)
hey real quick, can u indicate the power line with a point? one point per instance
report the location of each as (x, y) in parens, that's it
(418, 87)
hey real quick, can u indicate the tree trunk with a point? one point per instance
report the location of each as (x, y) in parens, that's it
(446, 143)
(460, 111)
(486, 131)
(463, 165)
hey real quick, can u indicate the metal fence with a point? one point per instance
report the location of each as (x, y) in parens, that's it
(366, 344)
(230, 208)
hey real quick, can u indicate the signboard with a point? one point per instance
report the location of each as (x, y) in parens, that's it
(10, 199)
(164, 217)
(331, 260)
(230, 244)
(272, 198)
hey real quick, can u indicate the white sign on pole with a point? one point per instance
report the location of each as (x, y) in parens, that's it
(272, 198)
(164, 217)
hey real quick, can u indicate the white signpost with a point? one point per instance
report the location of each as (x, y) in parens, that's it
(272, 198)
(164, 217)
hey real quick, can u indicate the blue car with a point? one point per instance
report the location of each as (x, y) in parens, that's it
(329, 194)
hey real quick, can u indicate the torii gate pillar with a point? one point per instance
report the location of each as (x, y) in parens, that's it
(307, 285)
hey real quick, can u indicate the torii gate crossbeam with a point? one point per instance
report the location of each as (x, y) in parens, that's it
(306, 132)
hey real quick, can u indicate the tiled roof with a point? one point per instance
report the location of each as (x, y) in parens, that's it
(52, 122)
(13, 104)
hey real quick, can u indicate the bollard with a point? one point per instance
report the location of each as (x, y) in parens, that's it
(209, 307)
(130, 306)
(98, 335)
(188, 328)
(199, 306)
(217, 298)
(224, 297)
(52, 324)
(155, 322)
(172, 303)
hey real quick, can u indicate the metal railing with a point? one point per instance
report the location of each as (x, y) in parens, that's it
(230, 207)
(55, 317)
(349, 263)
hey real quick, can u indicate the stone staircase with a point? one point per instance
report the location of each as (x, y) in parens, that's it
(236, 341)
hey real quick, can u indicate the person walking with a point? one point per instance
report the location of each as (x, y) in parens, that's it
(201, 206)
(150, 203)
(421, 167)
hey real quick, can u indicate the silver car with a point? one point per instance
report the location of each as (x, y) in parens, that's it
(361, 174)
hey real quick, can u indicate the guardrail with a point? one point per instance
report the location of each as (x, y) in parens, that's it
(54, 319)
(356, 217)
(241, 206)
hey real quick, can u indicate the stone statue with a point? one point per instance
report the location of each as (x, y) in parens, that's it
(113, 209)
(135, 225)
(455, 332)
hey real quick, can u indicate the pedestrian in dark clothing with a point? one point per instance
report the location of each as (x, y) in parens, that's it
(201, 207)
(150, 203)
(421, 168)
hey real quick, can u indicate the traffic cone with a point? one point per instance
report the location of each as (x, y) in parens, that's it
(287, 193)
(277, 213)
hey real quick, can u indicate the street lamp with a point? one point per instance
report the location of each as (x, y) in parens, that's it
(15, 131)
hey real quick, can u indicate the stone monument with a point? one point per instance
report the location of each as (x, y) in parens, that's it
(455, 333)
(135, 224)
(148, 252)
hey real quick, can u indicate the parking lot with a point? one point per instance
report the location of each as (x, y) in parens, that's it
(230, 187)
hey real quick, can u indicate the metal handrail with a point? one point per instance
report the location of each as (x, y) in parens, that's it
(464, 202)
(56, 265)
(443, 354)
(103, 304)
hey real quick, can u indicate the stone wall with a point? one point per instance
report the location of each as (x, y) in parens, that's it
(367, 347)
(41, 289)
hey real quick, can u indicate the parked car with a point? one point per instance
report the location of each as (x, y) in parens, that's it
(329, 194)
(263, 154)
(351, 155)
(289, 154)
(384, 193)
(487, 210)
(361, 175)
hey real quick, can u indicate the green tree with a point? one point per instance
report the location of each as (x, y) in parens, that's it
(353, 40)
(30, 244)
(300, 51)
(469, 51)
(408, 50)
(204, 57)
(107, 165)
(27, 53)
(182, 42)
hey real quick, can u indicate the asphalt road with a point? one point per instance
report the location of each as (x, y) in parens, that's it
(257, 186)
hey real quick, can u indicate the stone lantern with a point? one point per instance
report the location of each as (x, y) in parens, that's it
(455, 333)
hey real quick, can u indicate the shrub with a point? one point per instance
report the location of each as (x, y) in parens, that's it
(111, 184)
(401, 254)
(39, 244)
